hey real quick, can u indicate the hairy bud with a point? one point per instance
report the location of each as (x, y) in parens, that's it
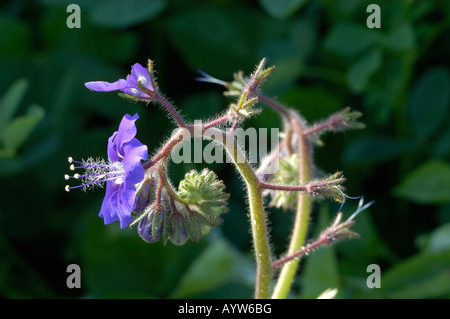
(188, 214)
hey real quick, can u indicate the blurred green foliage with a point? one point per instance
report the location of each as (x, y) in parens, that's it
(326, 59)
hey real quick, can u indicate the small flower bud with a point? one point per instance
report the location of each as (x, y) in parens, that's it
(329, 187)
(178, 231)
(149, 227)
(145, 194)
(257, 78)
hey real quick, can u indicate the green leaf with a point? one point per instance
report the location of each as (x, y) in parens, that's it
(441, 147)
(11, 100)
(401, 38)
(303, 37)
(428, 102)
(350, 39)
(122, 14)
(421, 276)
(281, 8)
(212, 268)
(427, 184)
(439, 239)
(17, 131)
(376, 149)
(362, 69)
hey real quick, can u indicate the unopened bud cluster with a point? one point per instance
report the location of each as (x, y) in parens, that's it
(188, 214)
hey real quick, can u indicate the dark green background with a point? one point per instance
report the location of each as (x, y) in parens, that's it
(326, 59)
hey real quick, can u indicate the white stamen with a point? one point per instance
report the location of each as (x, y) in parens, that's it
(70, 159)
(96, 173)
(67, 188)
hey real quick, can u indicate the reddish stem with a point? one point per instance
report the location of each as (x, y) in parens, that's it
(329, 236)
(301, 252)
(215, 122)
(319, 127)
(164, 152)
(171, 109)
(234, 127)
(275, 106)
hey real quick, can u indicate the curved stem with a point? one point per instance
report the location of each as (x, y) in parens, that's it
(300, 230)
(164, 181)
(166, 149)
(257, 214)
(171, 109)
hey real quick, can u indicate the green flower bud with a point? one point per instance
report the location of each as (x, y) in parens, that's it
(204, 193)
(288, 174)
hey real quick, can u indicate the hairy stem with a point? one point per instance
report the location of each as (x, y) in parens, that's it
(327, 237)
(257, 214)
(320, 127)
(171, 109)
(166, 149)
(215, 122)
(310, 188)
(300, 229)
(301, 252)
(301, 223)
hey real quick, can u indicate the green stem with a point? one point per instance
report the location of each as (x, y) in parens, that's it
(300, 230)
(257, 214)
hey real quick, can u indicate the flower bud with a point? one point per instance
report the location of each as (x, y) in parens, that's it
(206, 192)
(178, 231)
(145, 195)
(288, 174)
(150, 227)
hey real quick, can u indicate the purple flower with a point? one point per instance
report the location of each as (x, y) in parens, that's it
(122, 173)
(146, 89)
